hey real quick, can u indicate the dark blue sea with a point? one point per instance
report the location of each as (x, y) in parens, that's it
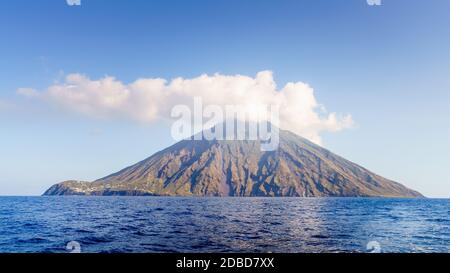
(163, 224)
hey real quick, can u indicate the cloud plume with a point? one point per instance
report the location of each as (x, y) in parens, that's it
(150, 99)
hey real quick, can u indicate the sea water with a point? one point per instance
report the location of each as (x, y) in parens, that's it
(173, 224)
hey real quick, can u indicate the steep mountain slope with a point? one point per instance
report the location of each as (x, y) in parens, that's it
(239, 168)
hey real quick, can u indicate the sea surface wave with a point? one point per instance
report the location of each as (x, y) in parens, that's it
(172, 224)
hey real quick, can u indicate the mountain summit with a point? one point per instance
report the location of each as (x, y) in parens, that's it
(239, 168)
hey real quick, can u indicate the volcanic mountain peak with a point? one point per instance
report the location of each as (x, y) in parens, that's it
(241, 168)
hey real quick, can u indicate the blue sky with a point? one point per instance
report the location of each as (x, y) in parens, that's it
(388, 66)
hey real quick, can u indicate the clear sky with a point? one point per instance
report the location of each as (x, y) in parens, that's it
(388, 66)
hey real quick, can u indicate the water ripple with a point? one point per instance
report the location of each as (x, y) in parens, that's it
(158, 224)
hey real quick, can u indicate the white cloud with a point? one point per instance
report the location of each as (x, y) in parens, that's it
(150, 99)
(28, 92)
